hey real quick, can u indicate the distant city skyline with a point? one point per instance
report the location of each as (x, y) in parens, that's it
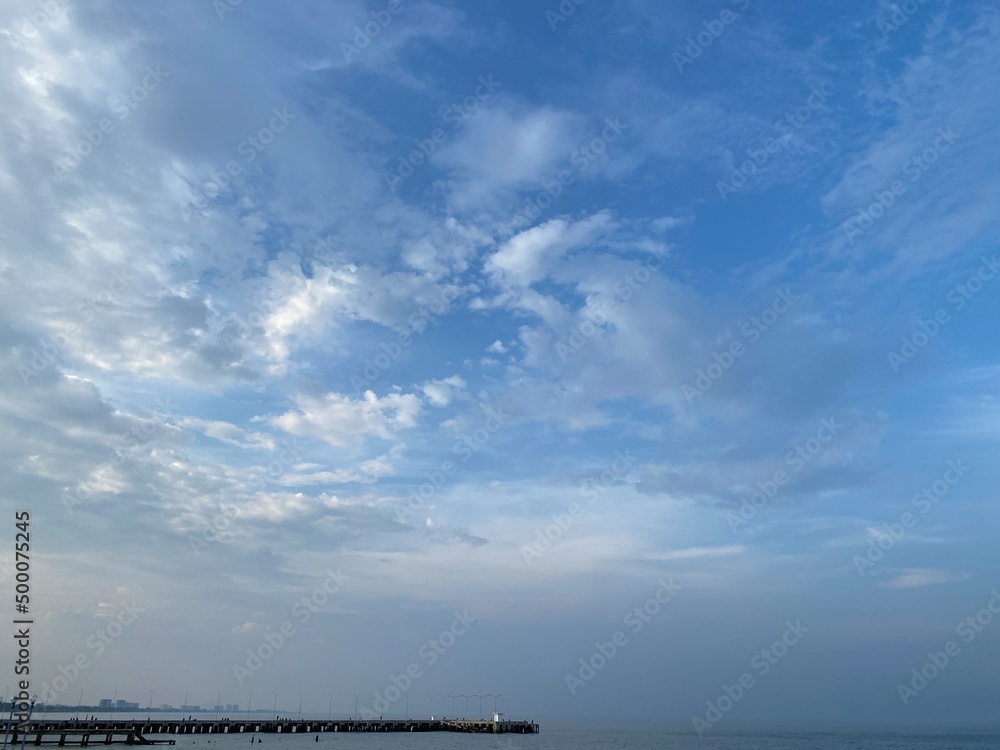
(481, 702)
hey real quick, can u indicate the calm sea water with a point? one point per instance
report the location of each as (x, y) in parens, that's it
(619, 738)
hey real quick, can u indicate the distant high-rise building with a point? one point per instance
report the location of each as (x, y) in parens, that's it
(190, 708)
(166, 707)
(105, 703)
(232, 706)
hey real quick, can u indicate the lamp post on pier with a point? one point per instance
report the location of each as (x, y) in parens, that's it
(10, 720)
(329, 711)
(24, 736)
(249, 703)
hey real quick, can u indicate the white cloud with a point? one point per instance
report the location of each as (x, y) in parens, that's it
(341, 420)
(228, 433)
(692, 553)
(441, 392)
(911, 578)
(530, 256)
(366, 472)
(506, 146)
(935, 214)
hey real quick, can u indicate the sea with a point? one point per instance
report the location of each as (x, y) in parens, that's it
(560, 735)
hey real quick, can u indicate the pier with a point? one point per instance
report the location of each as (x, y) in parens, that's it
(42, 733)
(64, 732)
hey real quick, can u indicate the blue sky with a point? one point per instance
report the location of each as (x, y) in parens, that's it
(512, 311)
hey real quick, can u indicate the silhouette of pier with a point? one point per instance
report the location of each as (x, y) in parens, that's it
(62, 732)
(87, 733)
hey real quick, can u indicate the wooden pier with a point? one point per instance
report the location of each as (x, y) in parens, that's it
(133, 731)
(43, 733)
